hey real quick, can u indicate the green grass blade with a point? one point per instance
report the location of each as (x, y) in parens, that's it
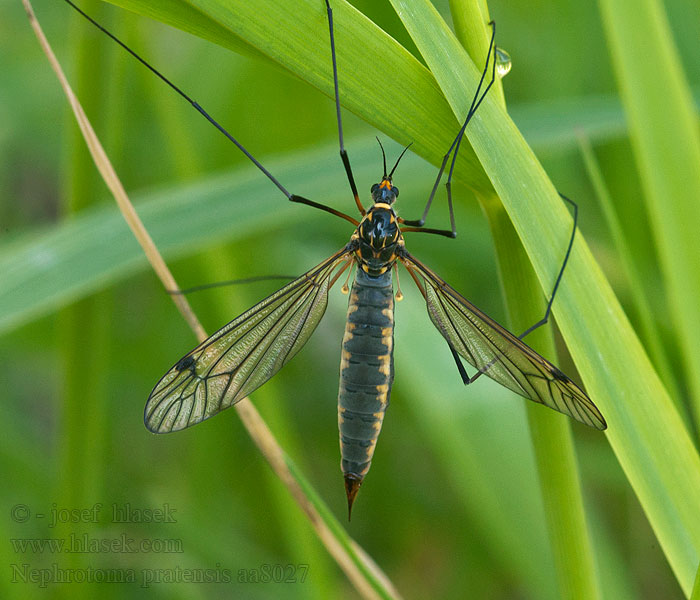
(645, 430)
(47, 270)
(666, 142)
(555, 125)
(649, 331)
(43, 271)
(552, 124)
(400, 109)
(552, 441)
(471, 29)
(551, 435)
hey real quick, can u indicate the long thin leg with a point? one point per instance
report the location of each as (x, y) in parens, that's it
(208, 117)
(442, 232)
(216, 284)
(343, 153)
(548, 310)
(476, 102)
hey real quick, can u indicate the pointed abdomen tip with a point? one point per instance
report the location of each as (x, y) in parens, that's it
(352, 485)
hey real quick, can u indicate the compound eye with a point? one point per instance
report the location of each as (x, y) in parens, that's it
(395, 190)
(374, 188)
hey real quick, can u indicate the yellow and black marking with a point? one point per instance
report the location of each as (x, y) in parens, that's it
(366, 375)
(378, 239)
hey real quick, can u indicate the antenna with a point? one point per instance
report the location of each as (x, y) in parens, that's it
(398, 160)
(383, 155)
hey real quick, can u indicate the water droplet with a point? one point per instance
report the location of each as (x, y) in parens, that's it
(503, 62)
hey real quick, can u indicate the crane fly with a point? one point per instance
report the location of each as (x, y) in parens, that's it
(245, 353)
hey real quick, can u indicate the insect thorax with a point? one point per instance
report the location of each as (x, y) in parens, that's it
(378, 238)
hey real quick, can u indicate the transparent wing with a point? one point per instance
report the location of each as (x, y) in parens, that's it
(497, 353)
(242, 355)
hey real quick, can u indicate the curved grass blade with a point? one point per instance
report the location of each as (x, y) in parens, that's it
(551, 437)
(645, 430)
(650, 333)
(666, 143)
(401, 109)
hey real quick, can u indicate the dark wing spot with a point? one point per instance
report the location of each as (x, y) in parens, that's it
(557, 374)
(186, 362)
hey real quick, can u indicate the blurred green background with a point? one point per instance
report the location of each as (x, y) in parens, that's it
(451, 507)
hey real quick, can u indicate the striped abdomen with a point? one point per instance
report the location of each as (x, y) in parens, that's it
(366, 374)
